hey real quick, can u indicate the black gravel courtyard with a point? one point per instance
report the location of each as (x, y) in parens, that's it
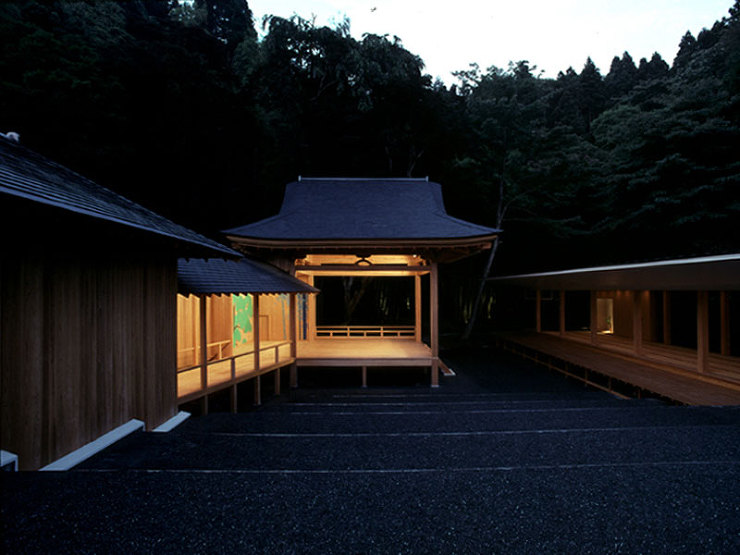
(503, 458)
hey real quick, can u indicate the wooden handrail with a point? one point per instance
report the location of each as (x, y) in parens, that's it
(219, 344)
(365, 331)
(276, 347)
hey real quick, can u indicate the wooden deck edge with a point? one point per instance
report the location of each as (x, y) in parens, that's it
(633, 383)
(358, 362)
(239, 379)
(707, 377)
(584, 378)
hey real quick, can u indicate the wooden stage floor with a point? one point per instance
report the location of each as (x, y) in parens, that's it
(363, 352)
(674, 383)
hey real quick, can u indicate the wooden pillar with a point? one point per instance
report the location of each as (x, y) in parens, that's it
(256, 330)
(311, 316)
(561, 325)
(233, 398)
(434, 323)
(258, 390)
(364, 376)
(293, 375)
(593, 323)
(666, 317)
(203, 351)
(417, 307)
(637, 321)
(277, 381)
(702, 330)
(724, 323)
(293, 326)
(538, 311)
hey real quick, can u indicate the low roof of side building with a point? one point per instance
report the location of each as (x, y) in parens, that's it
(716, 273)
(25, 174)
(217, 276)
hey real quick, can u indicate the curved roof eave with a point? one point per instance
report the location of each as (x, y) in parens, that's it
(293, 243)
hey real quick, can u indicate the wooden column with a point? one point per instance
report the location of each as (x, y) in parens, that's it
(593, 317)
(293, 378)
(311, 312)
(417, 307)
(293, 325)
(233, 398)
(702, 330)
(561, 325)
(637, 321)
(203, 351)
(666, 317)
(258, 390)
(724, 323)
(293, 375)
(434, 321)
(256, 334)
(538, 311)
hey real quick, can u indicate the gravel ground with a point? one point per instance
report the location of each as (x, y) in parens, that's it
(503, 458)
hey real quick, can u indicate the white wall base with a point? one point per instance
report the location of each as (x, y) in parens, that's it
(94, 447)
(173, 422)
(7, 458)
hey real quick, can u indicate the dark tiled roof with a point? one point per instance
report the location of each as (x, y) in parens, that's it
(320, 208)
(215, 276)
(26, 174)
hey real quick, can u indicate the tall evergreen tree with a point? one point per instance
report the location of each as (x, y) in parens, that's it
(656, 68)
(686, 48)
(622, 76)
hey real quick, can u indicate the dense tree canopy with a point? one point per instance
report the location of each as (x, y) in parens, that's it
(181, 107)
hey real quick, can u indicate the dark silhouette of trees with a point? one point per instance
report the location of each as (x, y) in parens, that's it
(180, 106)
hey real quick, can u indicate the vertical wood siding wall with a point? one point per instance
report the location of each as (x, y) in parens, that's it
(86, 346)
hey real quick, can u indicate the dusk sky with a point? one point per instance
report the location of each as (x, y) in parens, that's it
(553, 35)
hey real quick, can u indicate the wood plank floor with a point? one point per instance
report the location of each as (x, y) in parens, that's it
(724, 367)
(363, 352)
(677, 384)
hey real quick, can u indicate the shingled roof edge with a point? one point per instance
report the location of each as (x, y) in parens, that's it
(18, 179)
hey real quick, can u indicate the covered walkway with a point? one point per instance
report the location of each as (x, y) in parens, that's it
(667, 327)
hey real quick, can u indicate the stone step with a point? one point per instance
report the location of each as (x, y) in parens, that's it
(460, 418)
(409, 451)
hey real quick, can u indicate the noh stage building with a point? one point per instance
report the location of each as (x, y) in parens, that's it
(356, 228)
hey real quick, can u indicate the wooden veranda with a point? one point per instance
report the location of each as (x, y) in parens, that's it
(236, 321)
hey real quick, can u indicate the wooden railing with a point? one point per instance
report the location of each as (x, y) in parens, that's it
(194, 351)
(365, 331)
(228, 369)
